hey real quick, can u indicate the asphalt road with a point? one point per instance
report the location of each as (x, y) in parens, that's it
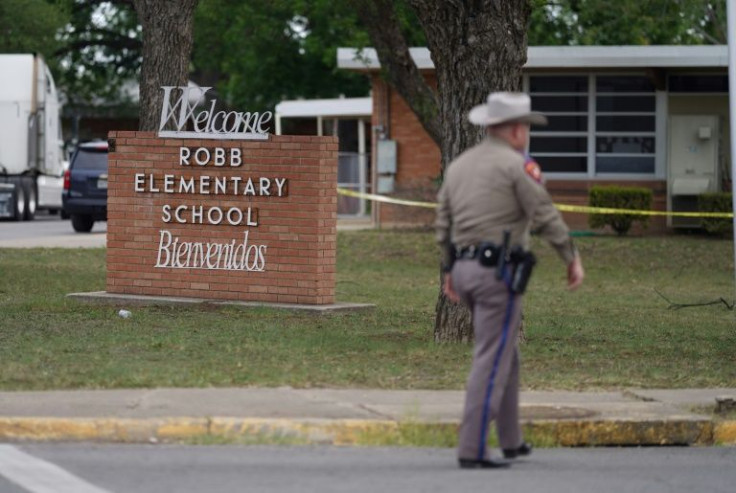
(90, 468)
(49, 231)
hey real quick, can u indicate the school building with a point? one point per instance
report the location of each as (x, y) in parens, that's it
(651, 116)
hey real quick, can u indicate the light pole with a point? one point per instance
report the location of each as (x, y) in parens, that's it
(731, 29)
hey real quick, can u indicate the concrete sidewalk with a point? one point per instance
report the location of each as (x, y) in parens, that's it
(356, 417)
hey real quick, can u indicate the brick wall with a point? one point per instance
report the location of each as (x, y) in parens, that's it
(418, 156)
(291, 239)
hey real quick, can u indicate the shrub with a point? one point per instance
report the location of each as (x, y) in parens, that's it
(636, 198)
(716, 202)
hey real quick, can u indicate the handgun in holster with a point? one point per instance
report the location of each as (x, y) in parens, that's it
(524, 263)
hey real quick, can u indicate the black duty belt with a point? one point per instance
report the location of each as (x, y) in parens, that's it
(490, 255)
(488, 251)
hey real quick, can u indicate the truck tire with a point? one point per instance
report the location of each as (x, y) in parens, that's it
(19, 202)
(31, 200)
(82, 223)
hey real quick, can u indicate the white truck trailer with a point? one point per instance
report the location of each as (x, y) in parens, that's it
(31, 146)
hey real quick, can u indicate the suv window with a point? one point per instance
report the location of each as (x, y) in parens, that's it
(90, 159)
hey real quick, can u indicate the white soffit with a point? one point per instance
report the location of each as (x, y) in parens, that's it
(325, 107)
(551, 57)
(627, 56)
(367, 58)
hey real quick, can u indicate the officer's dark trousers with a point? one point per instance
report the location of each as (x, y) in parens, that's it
(493, 384)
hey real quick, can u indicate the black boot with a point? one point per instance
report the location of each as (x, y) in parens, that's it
(482, 464)
(522, 450)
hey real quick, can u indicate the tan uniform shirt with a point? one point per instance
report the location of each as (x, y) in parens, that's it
(486, 191)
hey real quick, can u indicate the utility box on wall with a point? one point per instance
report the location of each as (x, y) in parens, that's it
(693, 154)
(386, 158)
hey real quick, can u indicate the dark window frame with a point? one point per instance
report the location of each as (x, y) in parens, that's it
(647, 125)
(576, 92)
(675, 84)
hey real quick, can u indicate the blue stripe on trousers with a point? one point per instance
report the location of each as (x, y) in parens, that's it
(489, 389)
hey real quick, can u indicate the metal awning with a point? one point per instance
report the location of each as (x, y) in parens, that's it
(313, 108)
(565, 57)
(360, 108)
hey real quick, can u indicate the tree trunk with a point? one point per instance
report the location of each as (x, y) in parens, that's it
(453, 322)
(167, 47)
(477, 46)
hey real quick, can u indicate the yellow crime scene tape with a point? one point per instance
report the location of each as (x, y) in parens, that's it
(562, 207)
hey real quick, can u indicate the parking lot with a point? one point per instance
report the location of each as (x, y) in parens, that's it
(49, 231)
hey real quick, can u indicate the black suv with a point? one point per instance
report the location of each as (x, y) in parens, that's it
(85, 186)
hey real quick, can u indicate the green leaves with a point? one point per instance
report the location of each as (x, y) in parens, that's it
(100, 51)
(617, 197)
(29, 26)
(263, 52)
(627, 22)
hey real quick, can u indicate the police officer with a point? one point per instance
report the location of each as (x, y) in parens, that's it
(490, 199)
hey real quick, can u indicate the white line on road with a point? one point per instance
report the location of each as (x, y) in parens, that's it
(39, 476)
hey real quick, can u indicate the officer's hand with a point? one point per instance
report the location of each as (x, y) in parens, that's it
(447, 289)
(575, 273)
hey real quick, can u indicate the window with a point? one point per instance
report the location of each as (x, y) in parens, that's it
(625, 125)
(603, 124)
(91, 158)
(561, 146)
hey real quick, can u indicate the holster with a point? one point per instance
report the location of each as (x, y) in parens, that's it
(523, 263)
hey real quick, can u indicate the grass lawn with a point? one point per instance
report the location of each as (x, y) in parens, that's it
(614, 332)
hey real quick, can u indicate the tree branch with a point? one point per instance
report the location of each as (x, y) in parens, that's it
(677, 306)
(80, 6)
(116, 43)
(718, 27)
(379, 18)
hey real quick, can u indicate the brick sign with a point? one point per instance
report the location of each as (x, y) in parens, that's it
(246, 220)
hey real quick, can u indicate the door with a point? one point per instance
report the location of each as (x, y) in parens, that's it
(353, 170)
(692, 163)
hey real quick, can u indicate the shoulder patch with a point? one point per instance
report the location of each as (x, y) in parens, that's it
(533, 170)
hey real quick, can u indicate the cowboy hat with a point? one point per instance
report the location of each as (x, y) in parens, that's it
(504, 107)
